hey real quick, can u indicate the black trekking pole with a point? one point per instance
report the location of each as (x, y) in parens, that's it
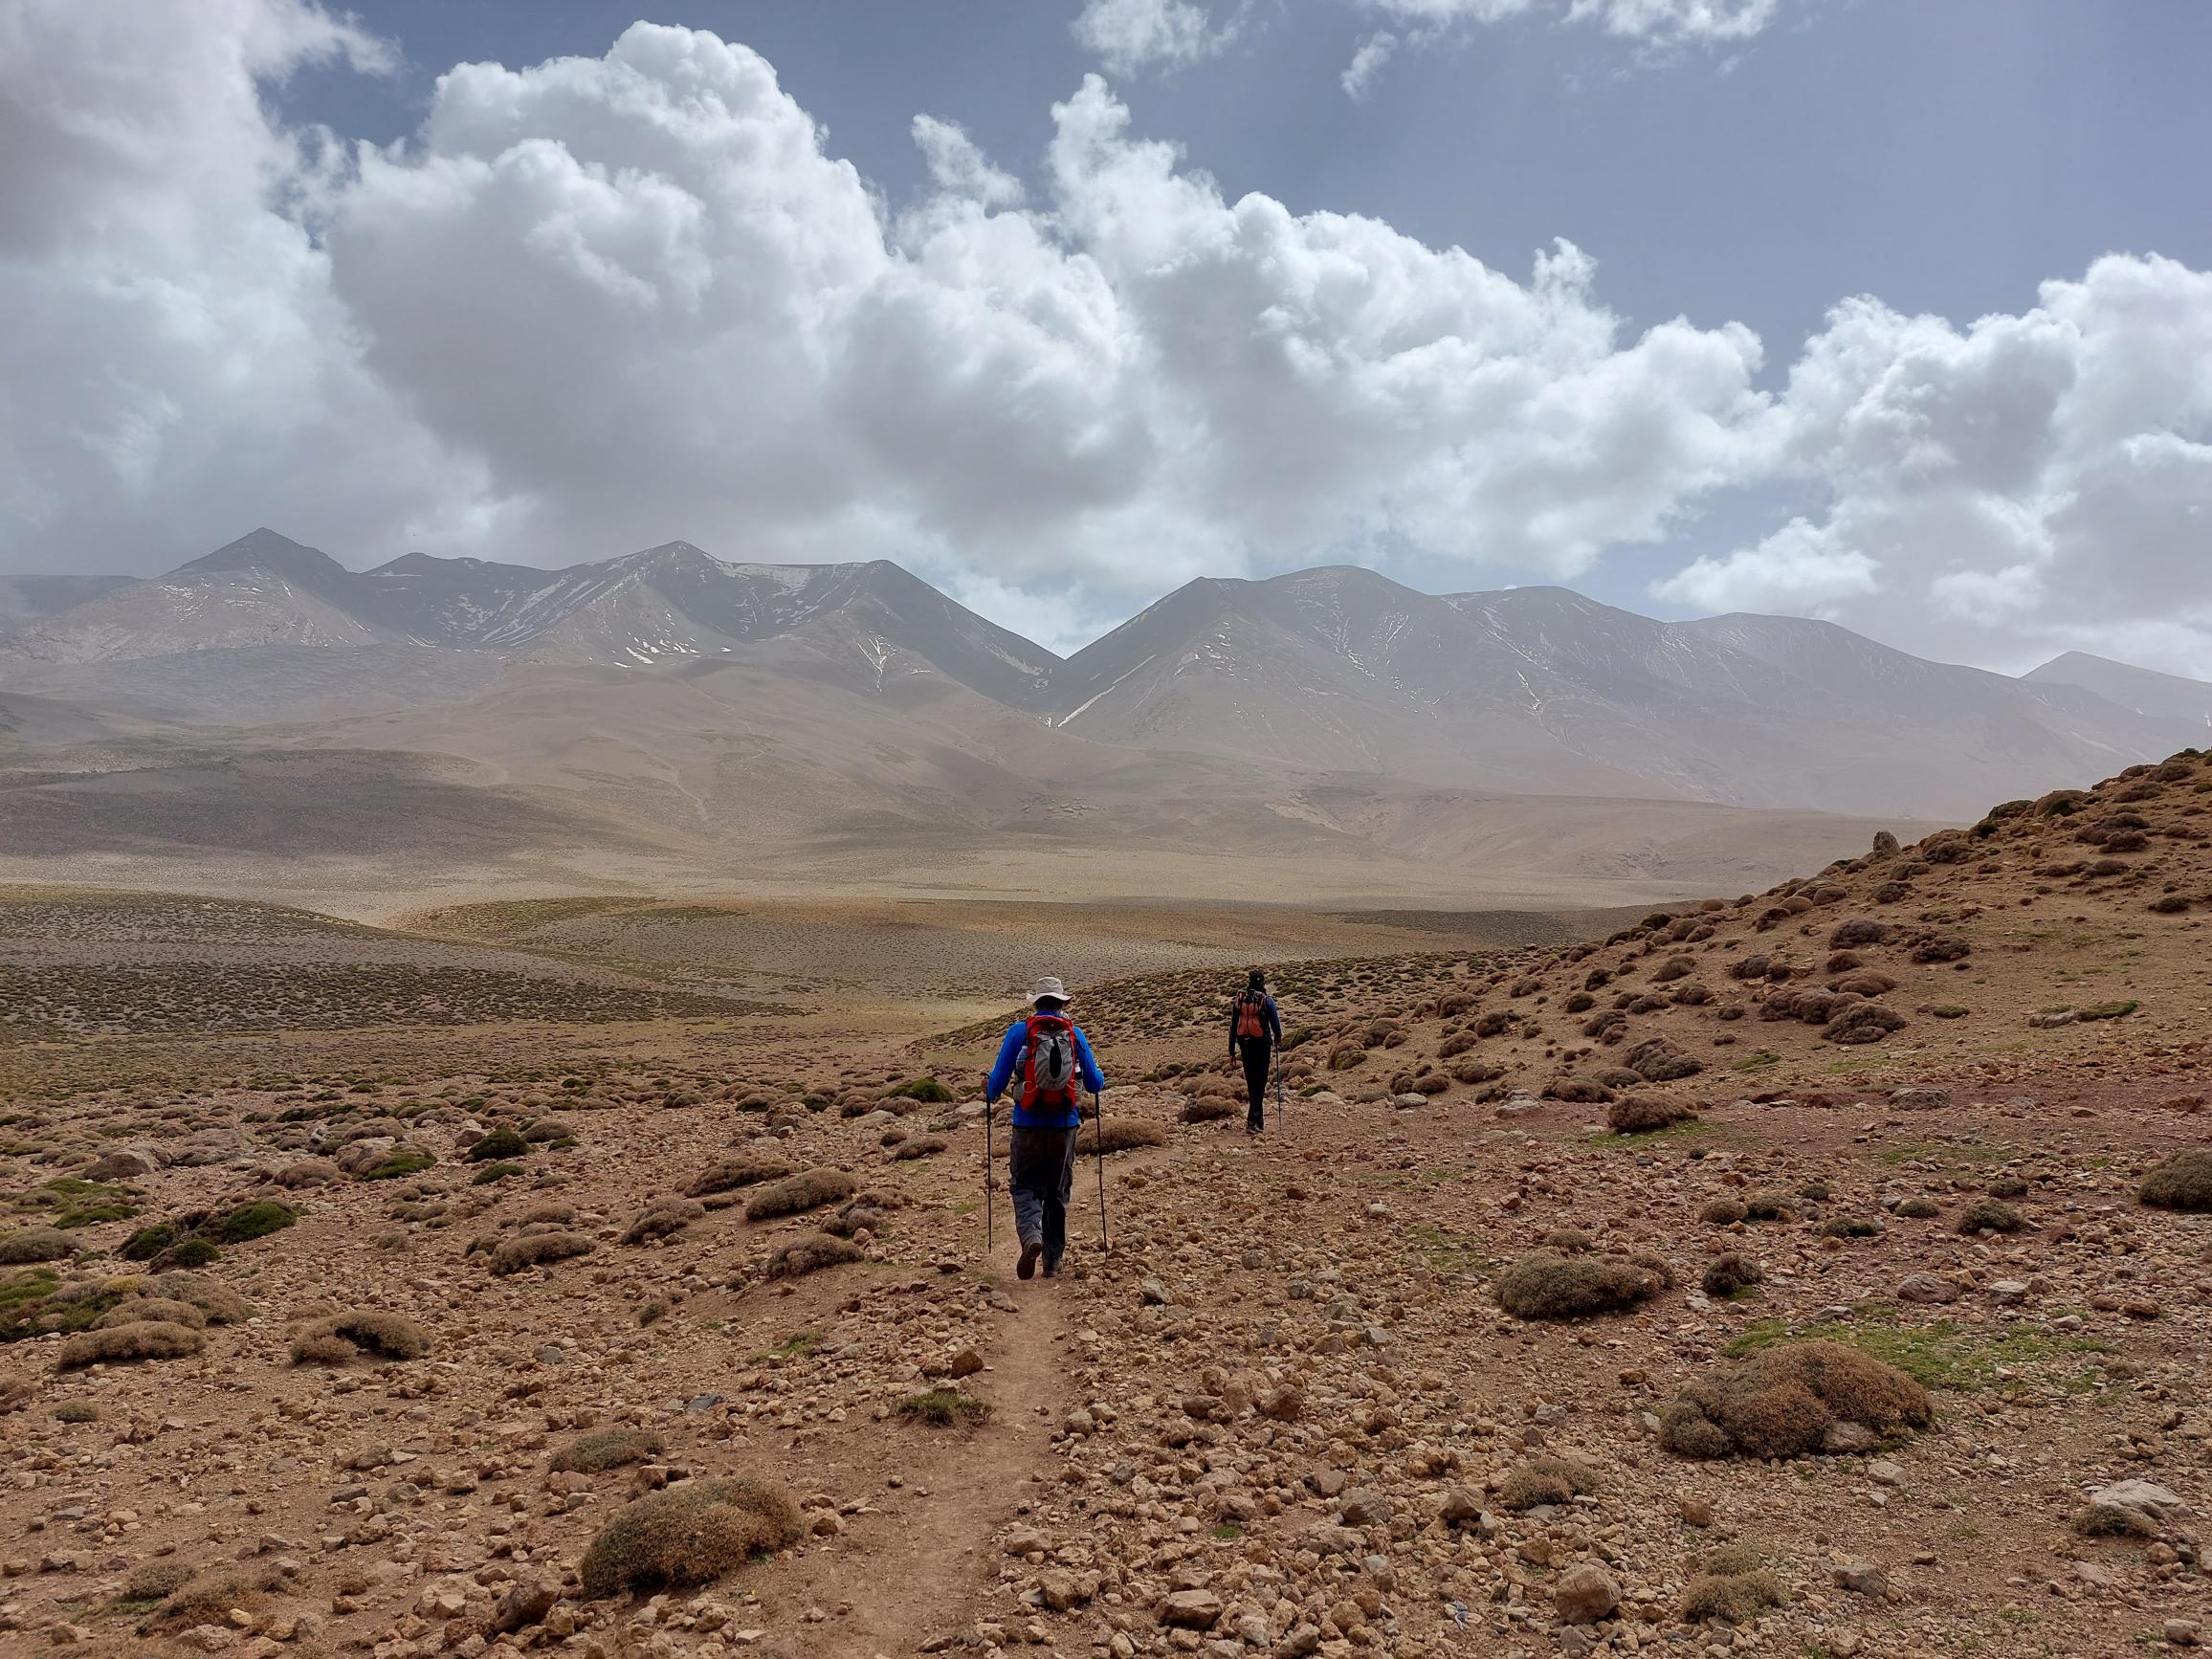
(990, 1202)
(1098, 1138)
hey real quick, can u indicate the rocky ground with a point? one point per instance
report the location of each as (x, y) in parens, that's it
(416, 1335)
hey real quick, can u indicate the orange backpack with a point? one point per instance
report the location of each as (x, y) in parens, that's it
(1251, 1017)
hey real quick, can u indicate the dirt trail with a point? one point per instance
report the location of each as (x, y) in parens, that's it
(925, 1564)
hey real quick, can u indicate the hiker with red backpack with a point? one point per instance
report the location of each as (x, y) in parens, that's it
(1048, 1058)
(1255, 1029)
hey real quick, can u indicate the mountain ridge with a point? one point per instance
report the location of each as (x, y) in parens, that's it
(1334, 671)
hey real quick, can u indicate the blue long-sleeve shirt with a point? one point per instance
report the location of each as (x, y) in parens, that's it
(1009, 1064)
(1272, 1022)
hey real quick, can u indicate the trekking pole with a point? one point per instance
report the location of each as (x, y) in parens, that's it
(1098, 1138)
(990, 1201)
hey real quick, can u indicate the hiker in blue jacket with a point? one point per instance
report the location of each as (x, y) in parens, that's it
(1047, 1055)
(1255, 1029)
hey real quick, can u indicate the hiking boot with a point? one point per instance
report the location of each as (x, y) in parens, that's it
(1027, 1267)
(1052, 1267)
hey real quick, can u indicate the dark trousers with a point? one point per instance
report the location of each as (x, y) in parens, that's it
(1257, 1057)
(1041, 1172)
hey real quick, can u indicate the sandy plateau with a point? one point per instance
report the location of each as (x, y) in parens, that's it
(1814, 1273)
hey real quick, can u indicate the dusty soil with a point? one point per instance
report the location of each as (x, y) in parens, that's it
(1283, 1414)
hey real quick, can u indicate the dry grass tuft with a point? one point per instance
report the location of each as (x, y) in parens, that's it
(945, 1408)
(809, 1189)
(810, 1254)
(129, 1344)
(155, 1582)
(692, 1533)
(1780, 1403)
(208, 1601)
(1121, 1135)
(1553, 1286)
(537, 1250)
(919, 1146)
(607, 1449)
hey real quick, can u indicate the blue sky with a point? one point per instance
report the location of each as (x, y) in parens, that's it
(1121, 332)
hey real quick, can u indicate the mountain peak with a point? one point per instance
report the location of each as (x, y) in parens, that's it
(264, 549)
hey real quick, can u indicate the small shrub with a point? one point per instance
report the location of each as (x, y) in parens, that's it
(1640, 1113)
(1732, 1598)
(1541, 1481)
(944, 1408)
(692, 1533)
(35, 1244)
(927, 1090)
(1207, 1109)
(401, 1162)
(918, 1146)
(1991, 1215)
(393, 1335)
(222, 1305)
(498, 1145)
(534, 1250)
(607, 1449)
(76, 1411)
(733, 1173)
(148, 1242)
(191, 1253)
(810, 1255)
(662, 1218)
(129, 1344)
(1850, 1227)
(1121, 1135)
(1918, 1208)
(1779, 1402)
(493, 1172)
(2183, 1183)
(1554, 1286)
(809, 1189)
(252, 1220)
(1730, 1272)
(138, 1309)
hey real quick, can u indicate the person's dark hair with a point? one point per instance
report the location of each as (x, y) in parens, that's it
(1047, 1005)
(1258, 981)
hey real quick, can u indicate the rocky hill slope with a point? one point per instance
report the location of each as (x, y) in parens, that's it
(1815, 1272)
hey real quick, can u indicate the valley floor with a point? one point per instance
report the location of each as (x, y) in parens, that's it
(1284, 1413)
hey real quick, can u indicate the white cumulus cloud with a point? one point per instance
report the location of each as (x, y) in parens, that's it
(2024, 484)
(599, 302)
(1654, 22)
(1374, 52)
(1133, 34)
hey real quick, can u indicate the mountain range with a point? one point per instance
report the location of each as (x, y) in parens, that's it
(670, 697)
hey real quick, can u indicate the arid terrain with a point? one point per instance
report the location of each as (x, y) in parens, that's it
(608, 1275)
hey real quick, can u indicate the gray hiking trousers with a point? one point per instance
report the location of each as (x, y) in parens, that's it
(1041, 1171)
